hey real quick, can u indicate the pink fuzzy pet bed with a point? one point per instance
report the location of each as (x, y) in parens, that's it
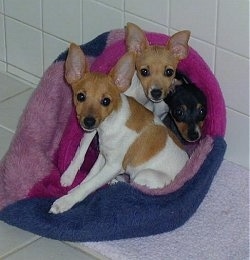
(46, 140)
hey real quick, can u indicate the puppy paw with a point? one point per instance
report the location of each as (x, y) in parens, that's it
(152, 179)
(61, 205)
(67, 178)
(113, 182)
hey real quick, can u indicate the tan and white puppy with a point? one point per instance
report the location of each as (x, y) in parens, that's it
(131, 138)
(155, 67)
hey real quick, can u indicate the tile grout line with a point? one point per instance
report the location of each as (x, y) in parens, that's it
(86, 250)
(20, 247)
(18, 78)
(7, 129)
(17, 94)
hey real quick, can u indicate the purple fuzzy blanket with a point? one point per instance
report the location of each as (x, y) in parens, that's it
(48, 134)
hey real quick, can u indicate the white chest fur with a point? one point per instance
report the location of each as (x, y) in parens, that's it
(114, 136)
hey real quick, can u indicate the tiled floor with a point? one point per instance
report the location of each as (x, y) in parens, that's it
(16, 244)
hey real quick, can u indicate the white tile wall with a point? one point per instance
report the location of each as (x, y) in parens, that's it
(52, 47)
(233, 26)
(37, 31)
(147, 24)
(62, 18)
(237, 137)
(99, 18)
(9, 113)
(24, 46)
(152, 13)
(7, 92)
(207, 50)
(2, 42)
(28, 12)
(199, 16)
(4, 135)
(232, 71)
(1, 6)
(2, 66)
(114, 3)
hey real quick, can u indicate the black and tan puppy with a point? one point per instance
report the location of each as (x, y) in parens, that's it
(187, 109)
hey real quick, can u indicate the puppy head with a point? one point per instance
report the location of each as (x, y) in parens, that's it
(187, 105)
(189, 121)
(156, 65)
(95, 95)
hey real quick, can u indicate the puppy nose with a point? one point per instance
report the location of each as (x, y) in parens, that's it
(89, 121)
(156, 93)
(193, 136)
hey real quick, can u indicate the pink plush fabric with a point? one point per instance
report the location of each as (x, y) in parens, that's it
(37, 137)
(50, 186)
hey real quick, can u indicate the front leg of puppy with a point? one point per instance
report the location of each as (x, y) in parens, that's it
(99, 164)
(69, 175)
(107, 173)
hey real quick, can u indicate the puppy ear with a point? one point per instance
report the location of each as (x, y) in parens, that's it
(178, 44)
(135, 37)
(76, 64)
(123, 71)
(176, 82)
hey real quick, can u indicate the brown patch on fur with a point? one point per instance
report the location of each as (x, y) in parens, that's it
(183, 128)
(175, 139)
(149, 143)
(140, 116)
(200, 124)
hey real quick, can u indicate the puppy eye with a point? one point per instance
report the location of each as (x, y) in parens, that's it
(178, 114)
(202, 112)
(145, 72)
(168, 72)
(81, 97)
(105, 102)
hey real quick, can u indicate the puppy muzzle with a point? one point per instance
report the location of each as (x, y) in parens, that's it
(155, 95)
(194, 134)
(88, 123)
